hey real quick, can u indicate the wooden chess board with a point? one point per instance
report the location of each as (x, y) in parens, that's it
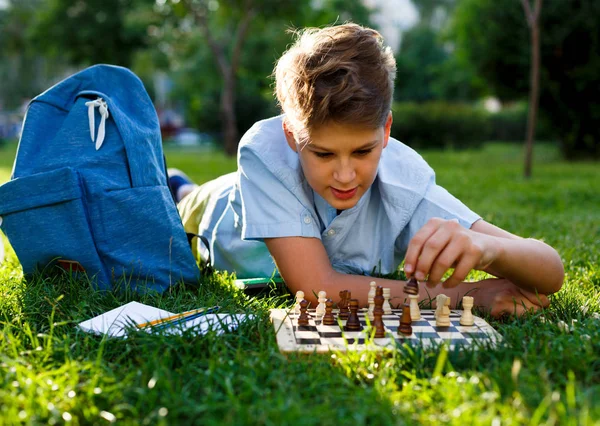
(317, 337)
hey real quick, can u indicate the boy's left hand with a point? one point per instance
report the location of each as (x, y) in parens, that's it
(443, 244)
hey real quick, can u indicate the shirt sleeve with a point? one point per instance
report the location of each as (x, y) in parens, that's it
(271, 202)
(437, 202)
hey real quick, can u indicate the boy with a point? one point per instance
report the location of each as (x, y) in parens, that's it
(324, 194)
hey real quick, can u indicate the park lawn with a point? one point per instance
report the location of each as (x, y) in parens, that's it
(542, 373)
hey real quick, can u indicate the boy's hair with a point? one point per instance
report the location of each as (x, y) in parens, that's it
(341, 74)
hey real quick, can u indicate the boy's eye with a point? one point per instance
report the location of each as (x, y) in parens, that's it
(363, 151)
(323, 154)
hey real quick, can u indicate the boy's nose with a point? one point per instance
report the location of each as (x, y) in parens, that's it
(344, 172)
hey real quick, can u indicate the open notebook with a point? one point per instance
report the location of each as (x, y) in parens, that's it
(117, 322)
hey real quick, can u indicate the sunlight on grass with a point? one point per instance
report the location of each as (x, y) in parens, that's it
(545, 371)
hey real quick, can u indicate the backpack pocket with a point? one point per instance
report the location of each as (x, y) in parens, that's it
(140, 237)
(45, 219)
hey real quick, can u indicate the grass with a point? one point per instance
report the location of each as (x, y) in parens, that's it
(51, 373)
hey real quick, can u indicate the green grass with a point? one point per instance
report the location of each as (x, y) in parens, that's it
(51, 373)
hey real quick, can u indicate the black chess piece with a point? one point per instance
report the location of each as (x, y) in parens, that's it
(343, 305)
(378, 313)
(411, 286)
(405, 327)
(329, 318)
(304, 317)
(353, 322)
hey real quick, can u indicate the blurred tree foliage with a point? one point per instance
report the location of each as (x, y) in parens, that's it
(23, 72)
(202, 42)
(90, 31)
(427, 67)
(570, 64)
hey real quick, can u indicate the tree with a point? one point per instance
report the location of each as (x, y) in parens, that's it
(533, 21)
(569, 63)
(243, 40)
(90, 31)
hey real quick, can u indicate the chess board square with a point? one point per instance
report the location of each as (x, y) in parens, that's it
(448, 335)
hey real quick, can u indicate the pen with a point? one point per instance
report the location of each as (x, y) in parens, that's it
(182, 317)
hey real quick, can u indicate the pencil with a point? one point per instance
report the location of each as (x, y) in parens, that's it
(184, 316)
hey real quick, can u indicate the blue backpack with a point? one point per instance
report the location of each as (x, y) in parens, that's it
(89, 186)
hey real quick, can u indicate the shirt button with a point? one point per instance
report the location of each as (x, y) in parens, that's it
(307, 220)
(331, 232)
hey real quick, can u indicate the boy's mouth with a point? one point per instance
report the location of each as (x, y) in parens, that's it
(344, 195)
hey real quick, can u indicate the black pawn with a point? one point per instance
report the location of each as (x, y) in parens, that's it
(303, 318)
(411, 286)
(378, 313)
(353, 323)
(405, 321)
(328, 318)
(343, 305)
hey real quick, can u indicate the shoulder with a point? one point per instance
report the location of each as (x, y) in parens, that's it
(264, 145)
(403, 171)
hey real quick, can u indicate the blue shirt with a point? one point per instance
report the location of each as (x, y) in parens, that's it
(269, 197)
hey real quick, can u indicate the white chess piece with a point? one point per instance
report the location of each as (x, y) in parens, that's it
(387, 308)
(371, 308)
(439, 303)
(299, 298)
(415, 312)
(443, 314)
(321, 306)
(372, 290)
(467, 316)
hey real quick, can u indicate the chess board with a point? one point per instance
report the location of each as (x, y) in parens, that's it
(317, 337)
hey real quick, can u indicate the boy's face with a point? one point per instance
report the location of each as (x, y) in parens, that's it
(340, 161)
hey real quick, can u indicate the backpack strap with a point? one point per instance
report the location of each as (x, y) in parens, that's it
(208, 269)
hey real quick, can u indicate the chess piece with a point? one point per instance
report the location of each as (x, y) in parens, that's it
(371, 307)
(378, 313)
(329, 318)
(353, 322)
(299, 298)
(411, 286)
(415, 312)
(443, 318)
(467, 317)
(405, 321)
(303, 318)
(387, 308)
(343, 304)
(320, 311)
(371, 294)
(439, 303)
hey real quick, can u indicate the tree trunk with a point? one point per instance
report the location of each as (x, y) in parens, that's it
(230, 132)
(533, 22)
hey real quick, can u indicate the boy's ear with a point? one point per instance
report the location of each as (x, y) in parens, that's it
(289, 136)
(387, 129)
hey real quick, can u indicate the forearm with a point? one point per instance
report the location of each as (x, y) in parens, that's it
(359, 286)
(529, 264)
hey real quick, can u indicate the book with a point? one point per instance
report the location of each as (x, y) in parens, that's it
(135, 316)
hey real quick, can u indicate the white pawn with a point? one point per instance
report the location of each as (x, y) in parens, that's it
(387, 308)
(415, 312)
(321, 306)
(299, 298)
(371, 308)
(439, 303)
(467, 317)
(443, 314)
(372, 290)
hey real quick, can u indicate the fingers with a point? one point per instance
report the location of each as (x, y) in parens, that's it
(435, 248)
(416, 246)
